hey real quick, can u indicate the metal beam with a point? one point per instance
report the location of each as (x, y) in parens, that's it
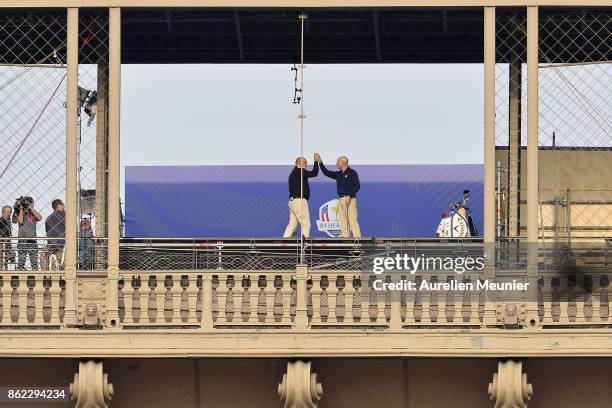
(72, 78)
(489, 318)
(168, 21)
(532, 124)
(101, 218)
(298, 4)
(274, 343)
(445, 20)
(239, 35)
(514, 142)
(114, 165)
(533, 195)
(489, 125)
(377, 34)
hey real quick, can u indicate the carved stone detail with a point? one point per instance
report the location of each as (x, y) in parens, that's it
(299, 388)
(91, 388)
(509, 388)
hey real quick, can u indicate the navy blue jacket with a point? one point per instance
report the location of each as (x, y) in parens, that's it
(294, 181)
(347, 181)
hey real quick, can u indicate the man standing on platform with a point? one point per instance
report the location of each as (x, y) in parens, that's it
(55, 226)
(299, 193)
(347, 186)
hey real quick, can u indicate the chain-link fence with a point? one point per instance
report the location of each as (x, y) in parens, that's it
(33, 76)
(33, 133)
(93, 138)
(575, 128)
(575, 136)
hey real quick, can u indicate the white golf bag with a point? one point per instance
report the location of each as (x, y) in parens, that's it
(457, 222)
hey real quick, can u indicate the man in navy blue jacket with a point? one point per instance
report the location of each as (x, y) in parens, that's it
(347, 186)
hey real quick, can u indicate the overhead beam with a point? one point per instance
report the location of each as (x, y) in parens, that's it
(445, 20)
(239, 35)
(346, 342)
(298, 4)
(168, 21)
(377, 35)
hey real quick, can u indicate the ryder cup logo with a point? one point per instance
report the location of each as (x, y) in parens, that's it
(328, 219)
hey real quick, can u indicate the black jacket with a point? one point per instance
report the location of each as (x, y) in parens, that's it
(294, 181)
(347, 181)
(5, 228)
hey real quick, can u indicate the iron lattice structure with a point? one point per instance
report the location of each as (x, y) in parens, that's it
(574, 97)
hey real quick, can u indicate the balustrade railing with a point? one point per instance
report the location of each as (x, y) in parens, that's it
(32, 300)
(344, 299)
(574, 300)
(571, 290)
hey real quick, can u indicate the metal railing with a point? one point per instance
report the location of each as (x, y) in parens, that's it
(277, 254)
(48, 254)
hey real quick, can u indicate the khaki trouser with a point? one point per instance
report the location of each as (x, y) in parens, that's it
(348, 218)
(298, 213)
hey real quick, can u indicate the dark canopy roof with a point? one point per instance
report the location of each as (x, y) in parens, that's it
(331, 36)
(405, 35)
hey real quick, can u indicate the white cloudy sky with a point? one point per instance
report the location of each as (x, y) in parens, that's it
(241, 114)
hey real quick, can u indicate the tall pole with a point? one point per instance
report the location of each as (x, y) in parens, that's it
(302, 117)
(72, 76)
(114, 218)
(301, 270)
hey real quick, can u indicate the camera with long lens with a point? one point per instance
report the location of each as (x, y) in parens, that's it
(21, 204)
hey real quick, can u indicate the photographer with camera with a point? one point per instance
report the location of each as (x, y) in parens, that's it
(55, 226)
(7, 255)
(26, 217)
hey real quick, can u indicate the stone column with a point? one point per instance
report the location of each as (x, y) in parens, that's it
(509, 388)
(91, 388)
(299, 388)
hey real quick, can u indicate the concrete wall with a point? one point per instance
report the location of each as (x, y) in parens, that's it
(350, 383)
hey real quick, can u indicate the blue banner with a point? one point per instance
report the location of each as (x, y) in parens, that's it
(252, 201)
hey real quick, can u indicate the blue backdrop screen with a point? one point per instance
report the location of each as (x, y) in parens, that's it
(251, 201)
